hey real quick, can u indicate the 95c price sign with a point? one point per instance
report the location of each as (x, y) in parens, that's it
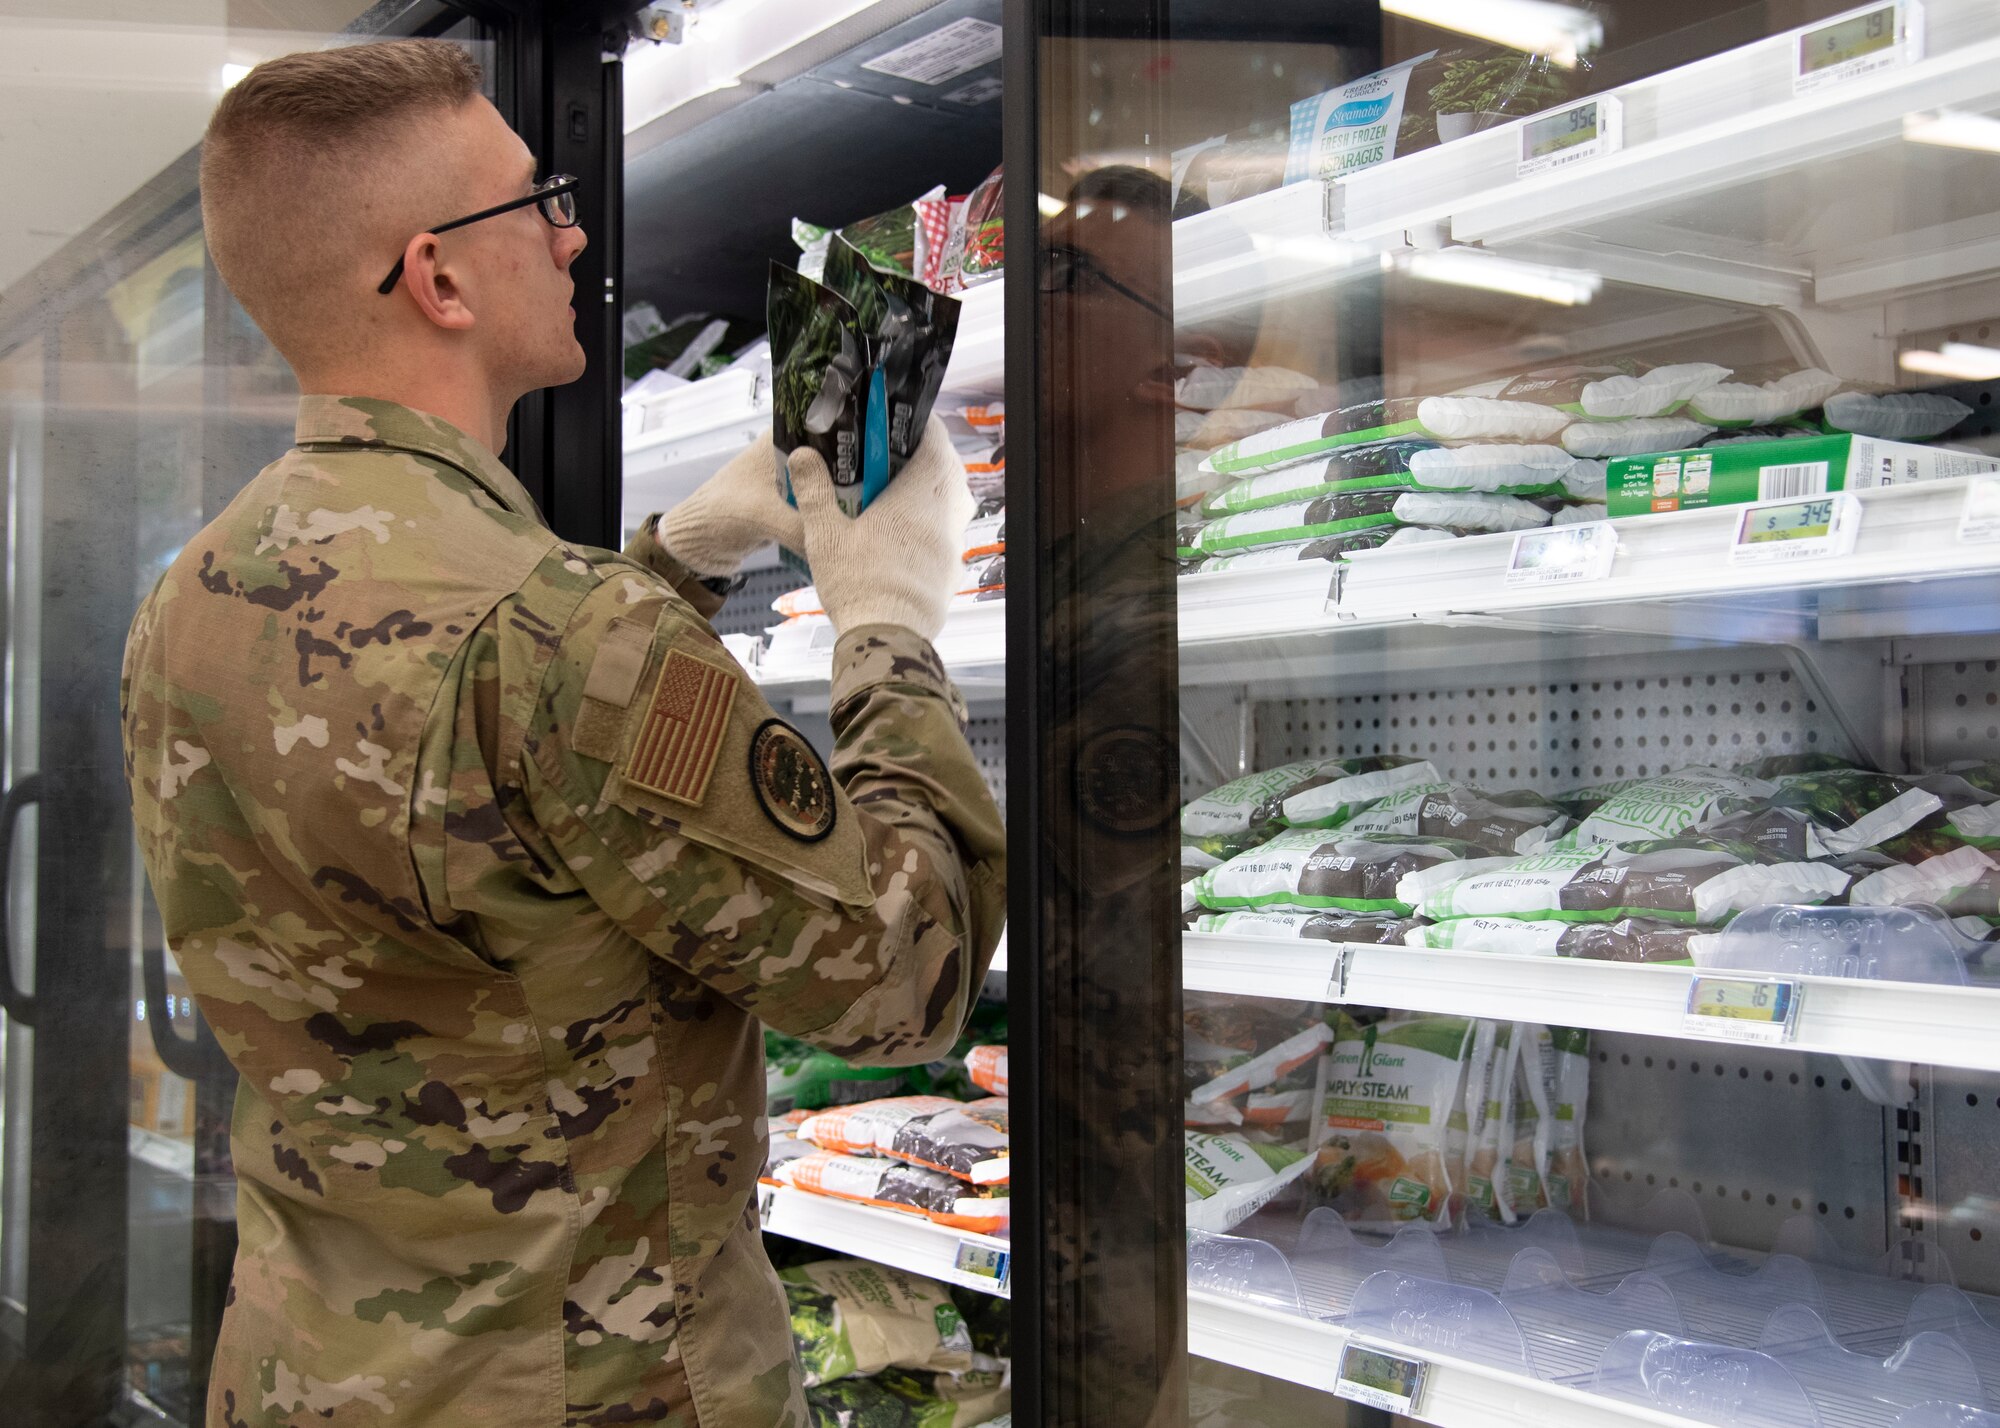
(1758, 1009)
(1880, 37)
(1570, 135)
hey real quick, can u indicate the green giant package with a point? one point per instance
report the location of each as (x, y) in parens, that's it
(1739, 472)
(856, 366)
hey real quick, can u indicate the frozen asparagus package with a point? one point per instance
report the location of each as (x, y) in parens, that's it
(857, 363)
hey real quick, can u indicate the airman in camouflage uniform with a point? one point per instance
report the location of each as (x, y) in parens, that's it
(485, 861)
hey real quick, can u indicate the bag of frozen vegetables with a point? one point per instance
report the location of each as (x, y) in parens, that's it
(851, 1316)
(856, 364)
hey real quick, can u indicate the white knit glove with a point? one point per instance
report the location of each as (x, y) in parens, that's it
(732, 513)
(900, 561)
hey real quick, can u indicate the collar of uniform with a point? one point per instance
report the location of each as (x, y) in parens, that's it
(370, 422)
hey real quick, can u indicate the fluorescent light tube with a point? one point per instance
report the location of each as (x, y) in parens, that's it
(1954, 130)
(1470, 268)
(1957, 362)
(1563, 33)
(1049, 205)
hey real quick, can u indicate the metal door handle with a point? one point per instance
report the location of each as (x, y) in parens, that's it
(18, 1004)
(188, 1058)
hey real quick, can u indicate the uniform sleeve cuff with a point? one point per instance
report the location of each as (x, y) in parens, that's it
(646, 550)
(871, 655)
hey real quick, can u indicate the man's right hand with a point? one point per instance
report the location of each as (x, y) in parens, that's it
(900, 561)
(732, 513)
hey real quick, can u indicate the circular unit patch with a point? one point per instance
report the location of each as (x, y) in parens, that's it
(791, 783)
(1122, 782)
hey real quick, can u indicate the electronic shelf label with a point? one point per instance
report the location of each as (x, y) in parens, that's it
(1860, 42)
(1772, 531)
(1570, 135)
(1378, 1378)
(1756, 1009)
(1563, 555)
(986, 1263)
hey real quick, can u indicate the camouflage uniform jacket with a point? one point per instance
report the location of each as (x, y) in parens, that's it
(485, 860)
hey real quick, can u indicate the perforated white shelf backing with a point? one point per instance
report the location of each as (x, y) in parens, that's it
(748, 611)
(1959, 707)
(1561, 733)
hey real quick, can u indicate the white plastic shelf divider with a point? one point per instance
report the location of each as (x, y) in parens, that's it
(1895, 1021)
(885, 1236)
(1457, 1394)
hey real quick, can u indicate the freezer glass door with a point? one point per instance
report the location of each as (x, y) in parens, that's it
(136, 398)
(1508, 698)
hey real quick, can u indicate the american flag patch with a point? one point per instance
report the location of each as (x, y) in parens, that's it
(682, 733)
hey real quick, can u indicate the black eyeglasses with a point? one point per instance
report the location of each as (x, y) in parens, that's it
(556, 195)
(1069, 270)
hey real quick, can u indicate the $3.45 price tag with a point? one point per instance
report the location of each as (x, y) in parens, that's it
(1769, 532)
(1379, 1378)
(1759, 1009)
(1563, 555)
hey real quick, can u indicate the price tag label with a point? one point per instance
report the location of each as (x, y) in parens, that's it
(1980, 519)
(1379, 1379)
(1771, 532)
(767, 1196)
(1563, 555)
(1571, 135)
(1857, 43)
(988, 1263)
(1760, 1009)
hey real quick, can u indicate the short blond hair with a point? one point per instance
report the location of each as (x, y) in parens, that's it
(286, 158)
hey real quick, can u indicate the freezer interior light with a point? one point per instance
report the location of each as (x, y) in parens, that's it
(232, 75)
(1955, 361)
(1471, 268)
(1049, 205)
(1562, 33)
(1952, 129)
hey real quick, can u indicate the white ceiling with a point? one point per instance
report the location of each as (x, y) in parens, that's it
(97, 96)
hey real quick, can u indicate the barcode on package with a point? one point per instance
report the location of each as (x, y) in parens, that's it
(1807, 478)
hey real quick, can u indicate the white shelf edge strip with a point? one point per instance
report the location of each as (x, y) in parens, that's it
(1457, 1394)
(888, 1237)
(1908, 533)
(1894, 1021)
